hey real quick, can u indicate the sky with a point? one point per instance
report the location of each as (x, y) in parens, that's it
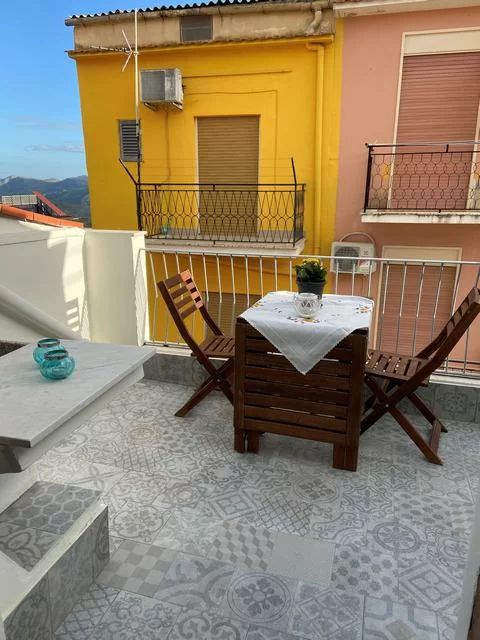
(40, 123)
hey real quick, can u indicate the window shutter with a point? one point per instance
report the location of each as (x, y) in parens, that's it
(129, 143)
(411, 340)
(195, 28)
(228, 149)
(439, 97)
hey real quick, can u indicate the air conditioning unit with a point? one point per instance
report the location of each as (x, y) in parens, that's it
(341, 251)
(161, 87)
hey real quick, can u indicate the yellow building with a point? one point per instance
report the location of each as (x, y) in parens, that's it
(243, 148)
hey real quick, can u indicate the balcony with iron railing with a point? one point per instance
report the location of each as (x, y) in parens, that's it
(270, 214)
(423, 182)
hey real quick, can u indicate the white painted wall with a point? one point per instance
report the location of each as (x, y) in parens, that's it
(44, 266)
(92, 283)
(117, 286)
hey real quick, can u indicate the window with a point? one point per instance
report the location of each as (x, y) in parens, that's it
(439, 102)
(195, 28)
(129, 141)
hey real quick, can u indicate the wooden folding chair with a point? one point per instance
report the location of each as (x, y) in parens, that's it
(393, 377)
(182, 299)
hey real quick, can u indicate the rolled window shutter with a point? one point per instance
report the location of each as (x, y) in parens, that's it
(439, 102)
(129, 143)
(439, 97)
(411, 341)
(228, 150)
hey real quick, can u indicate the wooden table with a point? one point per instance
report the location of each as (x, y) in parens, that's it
(271, 396)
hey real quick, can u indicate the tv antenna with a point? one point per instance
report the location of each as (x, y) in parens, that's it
(130, 52)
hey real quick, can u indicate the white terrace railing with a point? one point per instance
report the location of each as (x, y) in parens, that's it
(413, 298)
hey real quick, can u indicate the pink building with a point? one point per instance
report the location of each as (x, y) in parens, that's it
(411, 89)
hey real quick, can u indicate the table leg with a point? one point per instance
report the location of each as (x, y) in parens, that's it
(240, 436)
(253, 441)
(345, 457)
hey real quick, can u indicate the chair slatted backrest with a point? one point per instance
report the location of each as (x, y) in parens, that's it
(439, 349)
(182, 298)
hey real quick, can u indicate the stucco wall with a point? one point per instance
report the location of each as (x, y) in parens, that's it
(92, 282)
(278, 82)
(371, 64)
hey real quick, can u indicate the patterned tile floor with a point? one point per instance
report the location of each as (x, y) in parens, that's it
(209, 544)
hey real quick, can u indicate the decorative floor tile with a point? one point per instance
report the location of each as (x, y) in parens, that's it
(100, 477)
(138, 521)
(317, 488)
(137, 567)
(302, 558)
(31, 619)
(395, 537)
(269, 480)
(430, 586)
(264, 633)
(242, 544)
(367, 500)
(286, 516)
(327, 614)
(446, 627)
(420, 509)
(70, 577)
(57, 468)
(224, 474)
(462, 513)
(448, 550)
(454, 487)
(49, 507)
(385, 620)
(132, 617)
(87, 613)
(232, 504)
(178, 494)
(260, 598)
(100, 535)
(195, 582)
(362, 570)
(23, 545)
(337, 525)
(188, 530)
(202, 625)
(139, 486)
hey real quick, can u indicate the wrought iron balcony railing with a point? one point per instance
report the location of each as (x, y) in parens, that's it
(262, 213)
(423, 176)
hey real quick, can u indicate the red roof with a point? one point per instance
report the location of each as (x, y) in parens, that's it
(29, 216)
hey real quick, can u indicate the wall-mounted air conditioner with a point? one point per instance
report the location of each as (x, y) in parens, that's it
(161, 87)
(341, 251)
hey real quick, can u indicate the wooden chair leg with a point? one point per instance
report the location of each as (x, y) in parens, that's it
(203, 390)
(426, 411)
(425, 448)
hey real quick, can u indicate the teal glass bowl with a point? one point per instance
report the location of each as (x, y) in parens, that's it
(57, 364)
(43, 346)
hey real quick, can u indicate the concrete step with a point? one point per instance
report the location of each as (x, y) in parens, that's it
(53, 543)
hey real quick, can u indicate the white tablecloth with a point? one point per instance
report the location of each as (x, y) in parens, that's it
(306, 341)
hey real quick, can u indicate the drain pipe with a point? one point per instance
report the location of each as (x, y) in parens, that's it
(318, 48)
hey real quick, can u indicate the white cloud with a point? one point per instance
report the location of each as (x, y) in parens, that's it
(66, 147)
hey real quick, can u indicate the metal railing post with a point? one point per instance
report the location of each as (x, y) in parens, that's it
(369, 177)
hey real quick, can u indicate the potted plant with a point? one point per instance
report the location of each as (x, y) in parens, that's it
(311, 276)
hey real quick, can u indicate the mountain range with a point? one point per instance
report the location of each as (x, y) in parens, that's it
(70, 195)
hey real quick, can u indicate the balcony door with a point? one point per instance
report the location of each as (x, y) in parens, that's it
(439, 101)
(228, 150)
